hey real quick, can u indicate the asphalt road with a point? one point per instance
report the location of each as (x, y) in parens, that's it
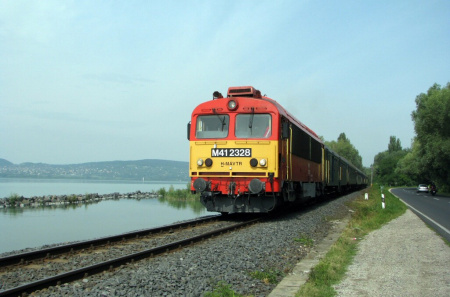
(433, 210)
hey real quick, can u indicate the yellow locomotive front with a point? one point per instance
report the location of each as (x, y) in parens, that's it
(234, 152)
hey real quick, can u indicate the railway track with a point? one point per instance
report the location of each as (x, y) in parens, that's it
(65, 263)
(24, 258)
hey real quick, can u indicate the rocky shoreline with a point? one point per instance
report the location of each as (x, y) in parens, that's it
(62, 200)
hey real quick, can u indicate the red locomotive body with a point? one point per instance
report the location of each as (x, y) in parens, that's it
(248, 154)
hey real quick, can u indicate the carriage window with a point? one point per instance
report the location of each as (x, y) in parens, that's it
(251, 125)
(212, 126)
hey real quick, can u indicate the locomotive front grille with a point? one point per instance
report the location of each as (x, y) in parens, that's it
(249, 174)
(215, 173)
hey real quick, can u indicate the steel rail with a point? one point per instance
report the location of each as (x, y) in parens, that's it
(110, 264)
(58, 250)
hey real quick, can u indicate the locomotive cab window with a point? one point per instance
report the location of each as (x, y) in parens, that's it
(253, 125)
(212, 126)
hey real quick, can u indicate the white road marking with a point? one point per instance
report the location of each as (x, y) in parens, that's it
(425, 216)
(428, 218)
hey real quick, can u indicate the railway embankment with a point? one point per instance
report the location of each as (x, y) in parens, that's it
(250, 261)
(383, 251)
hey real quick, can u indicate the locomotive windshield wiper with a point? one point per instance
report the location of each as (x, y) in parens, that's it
(222, 120)
(250, 123)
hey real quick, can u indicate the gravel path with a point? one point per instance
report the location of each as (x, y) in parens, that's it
(403, 258)
(230, 258)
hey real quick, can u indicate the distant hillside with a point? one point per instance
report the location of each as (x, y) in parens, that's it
(4, 162)
(149, 169)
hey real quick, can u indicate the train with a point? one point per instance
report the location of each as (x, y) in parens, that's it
(248, 154)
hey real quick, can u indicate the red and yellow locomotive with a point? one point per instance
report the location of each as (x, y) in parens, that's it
(248, 154)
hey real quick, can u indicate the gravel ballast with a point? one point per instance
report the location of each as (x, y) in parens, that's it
(193, 271)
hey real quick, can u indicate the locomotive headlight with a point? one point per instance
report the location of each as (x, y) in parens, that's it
(200, 162)
(208, 162)
(263, 162)
(232, 105)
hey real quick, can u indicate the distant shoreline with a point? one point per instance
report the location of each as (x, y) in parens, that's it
(149, 169)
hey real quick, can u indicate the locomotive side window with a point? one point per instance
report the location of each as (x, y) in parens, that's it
(251, 125)
(212, 126)
(305, 146)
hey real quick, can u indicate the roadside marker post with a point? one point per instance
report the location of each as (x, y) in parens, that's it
(383, 205)
(366, 196)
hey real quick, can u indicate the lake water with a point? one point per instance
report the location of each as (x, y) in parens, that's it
(34, 227)
(40, 187)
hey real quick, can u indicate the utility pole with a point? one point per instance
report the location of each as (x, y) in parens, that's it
(371, 175)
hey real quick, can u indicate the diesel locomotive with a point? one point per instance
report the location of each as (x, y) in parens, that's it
(249, 155)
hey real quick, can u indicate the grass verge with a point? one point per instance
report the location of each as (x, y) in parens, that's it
(368, 215)
(222, 290)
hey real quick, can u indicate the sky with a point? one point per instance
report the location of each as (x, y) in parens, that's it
(86, 81)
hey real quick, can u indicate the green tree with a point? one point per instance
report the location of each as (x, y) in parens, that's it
(432, 125)
(409, 166)
(386, 164)
(394, 144)
(344, 148)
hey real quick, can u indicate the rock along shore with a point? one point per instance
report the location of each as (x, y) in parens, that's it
(61, 200)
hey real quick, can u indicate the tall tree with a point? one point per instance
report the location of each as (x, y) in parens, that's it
(394, 144)
(432, 125)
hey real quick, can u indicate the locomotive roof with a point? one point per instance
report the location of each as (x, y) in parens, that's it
(250, 93)
(288, 115)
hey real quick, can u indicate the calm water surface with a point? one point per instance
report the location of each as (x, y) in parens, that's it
(40, 187)
(34, 227)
